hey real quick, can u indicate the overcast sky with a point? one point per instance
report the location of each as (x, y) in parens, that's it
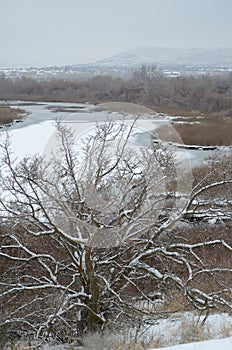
(57, 32)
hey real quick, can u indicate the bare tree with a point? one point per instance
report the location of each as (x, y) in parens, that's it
(150, 81)
(86, 235)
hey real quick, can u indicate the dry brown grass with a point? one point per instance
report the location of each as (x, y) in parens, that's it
(8, 114)
(176, 111)
(213, 131)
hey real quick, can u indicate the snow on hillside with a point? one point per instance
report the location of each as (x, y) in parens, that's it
(215, 344)
(171, 55)
(190, 327)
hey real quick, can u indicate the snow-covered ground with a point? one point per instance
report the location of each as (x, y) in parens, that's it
(214, 344)
(168, 334)
(194, 331)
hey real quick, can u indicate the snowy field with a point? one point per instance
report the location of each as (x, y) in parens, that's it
(214, 334)
(215, 344)
(184, 332)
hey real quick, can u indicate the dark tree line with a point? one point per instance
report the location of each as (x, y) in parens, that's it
(204, 94)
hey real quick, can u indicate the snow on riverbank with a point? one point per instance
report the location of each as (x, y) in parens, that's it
(32, 135)
(32, 139)
(214, 344)
(196, 332)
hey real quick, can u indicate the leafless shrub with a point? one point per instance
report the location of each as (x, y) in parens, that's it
(63, 271)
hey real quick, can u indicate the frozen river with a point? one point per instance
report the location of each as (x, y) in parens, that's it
(38, 127)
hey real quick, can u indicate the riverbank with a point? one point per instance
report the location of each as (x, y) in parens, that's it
(8, 114)
(193, 128)
(205, 131)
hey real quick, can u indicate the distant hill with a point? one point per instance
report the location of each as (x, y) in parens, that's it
(161, 55)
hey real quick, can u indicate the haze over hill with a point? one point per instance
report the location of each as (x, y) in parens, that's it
(162, 55)
(172, 61)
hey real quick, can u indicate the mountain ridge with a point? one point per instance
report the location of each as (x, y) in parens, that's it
(151, 54)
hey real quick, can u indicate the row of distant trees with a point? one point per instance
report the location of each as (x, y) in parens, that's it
(202, 93)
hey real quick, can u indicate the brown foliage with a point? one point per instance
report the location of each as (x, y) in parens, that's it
(210, 131)
(8, 115)
(201, 94)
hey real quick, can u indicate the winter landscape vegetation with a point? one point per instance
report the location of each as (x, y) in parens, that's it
(116, 210)
(116, 186)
